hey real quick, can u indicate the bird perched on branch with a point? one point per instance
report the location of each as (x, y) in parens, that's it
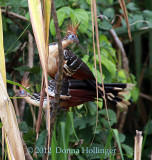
(75, 68)
(71, 37)
(34, 98)
(79, 84)
(75, 92)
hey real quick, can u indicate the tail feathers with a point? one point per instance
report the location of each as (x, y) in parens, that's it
(115, 93)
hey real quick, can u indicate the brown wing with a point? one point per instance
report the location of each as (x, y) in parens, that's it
(74, 67)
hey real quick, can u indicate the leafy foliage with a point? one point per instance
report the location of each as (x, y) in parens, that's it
(76, 129)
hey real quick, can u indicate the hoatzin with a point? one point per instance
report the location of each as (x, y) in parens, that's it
(71, 37)
(79, 82)
(75, 92)
(74, 68)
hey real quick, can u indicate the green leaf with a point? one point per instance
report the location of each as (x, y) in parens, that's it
(105, 25)
(88, 1)
(111, 67)
(23, 127)
(62, 13)
(122, 76)
(22, 68)
(80, 16)
(108, 142)
(27, 15)
(122, 137)
(112, 117)
(92, 108)
(116, 134)
(53, 146)
(147, 13)
(35, 69)
(98, 74)
(9, 39)
(135, 94)
(1, 125)
(62, 142)
(72, 123)
(52, 28)
(148, 128)
(41, 140)
(23, 3)
(85, 58)
(100, 103)
(128, 150)
(109, 12)
(132, 7)
(67, 128)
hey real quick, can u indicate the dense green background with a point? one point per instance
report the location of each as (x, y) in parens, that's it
(81, 121)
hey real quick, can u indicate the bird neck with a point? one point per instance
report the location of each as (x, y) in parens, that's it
(34, 99)
(53, 48)
(31, 99)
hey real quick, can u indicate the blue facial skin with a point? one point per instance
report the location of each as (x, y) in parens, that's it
(73, 38)
(21, 93)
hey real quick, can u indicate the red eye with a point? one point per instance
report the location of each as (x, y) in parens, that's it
(21, 92)
(72, 36)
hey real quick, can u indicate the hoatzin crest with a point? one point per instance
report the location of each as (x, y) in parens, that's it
(71, 37)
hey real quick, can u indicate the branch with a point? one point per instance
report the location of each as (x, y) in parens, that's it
(58, 78)
(148, 97)
(119, 44)
(59, 75)
(11, 14)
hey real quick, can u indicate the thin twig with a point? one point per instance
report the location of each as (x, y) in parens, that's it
(41, 106)
(123, 7)
(98, 49)
(148, 97)
(122, 118)
(26, 152)
(125, 61)
(33, 115)
(30, 65)
(11, 14)
(95, 65)
(143, 70)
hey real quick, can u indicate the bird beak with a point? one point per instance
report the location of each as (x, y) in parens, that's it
(76, 40)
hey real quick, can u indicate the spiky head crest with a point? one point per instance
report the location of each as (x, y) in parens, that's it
(72, 28)
(25, 83)
(71, 34)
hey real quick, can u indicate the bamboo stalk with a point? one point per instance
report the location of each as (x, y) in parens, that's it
(9, 121)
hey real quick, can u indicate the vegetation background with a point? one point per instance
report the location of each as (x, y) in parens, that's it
(79, 124)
